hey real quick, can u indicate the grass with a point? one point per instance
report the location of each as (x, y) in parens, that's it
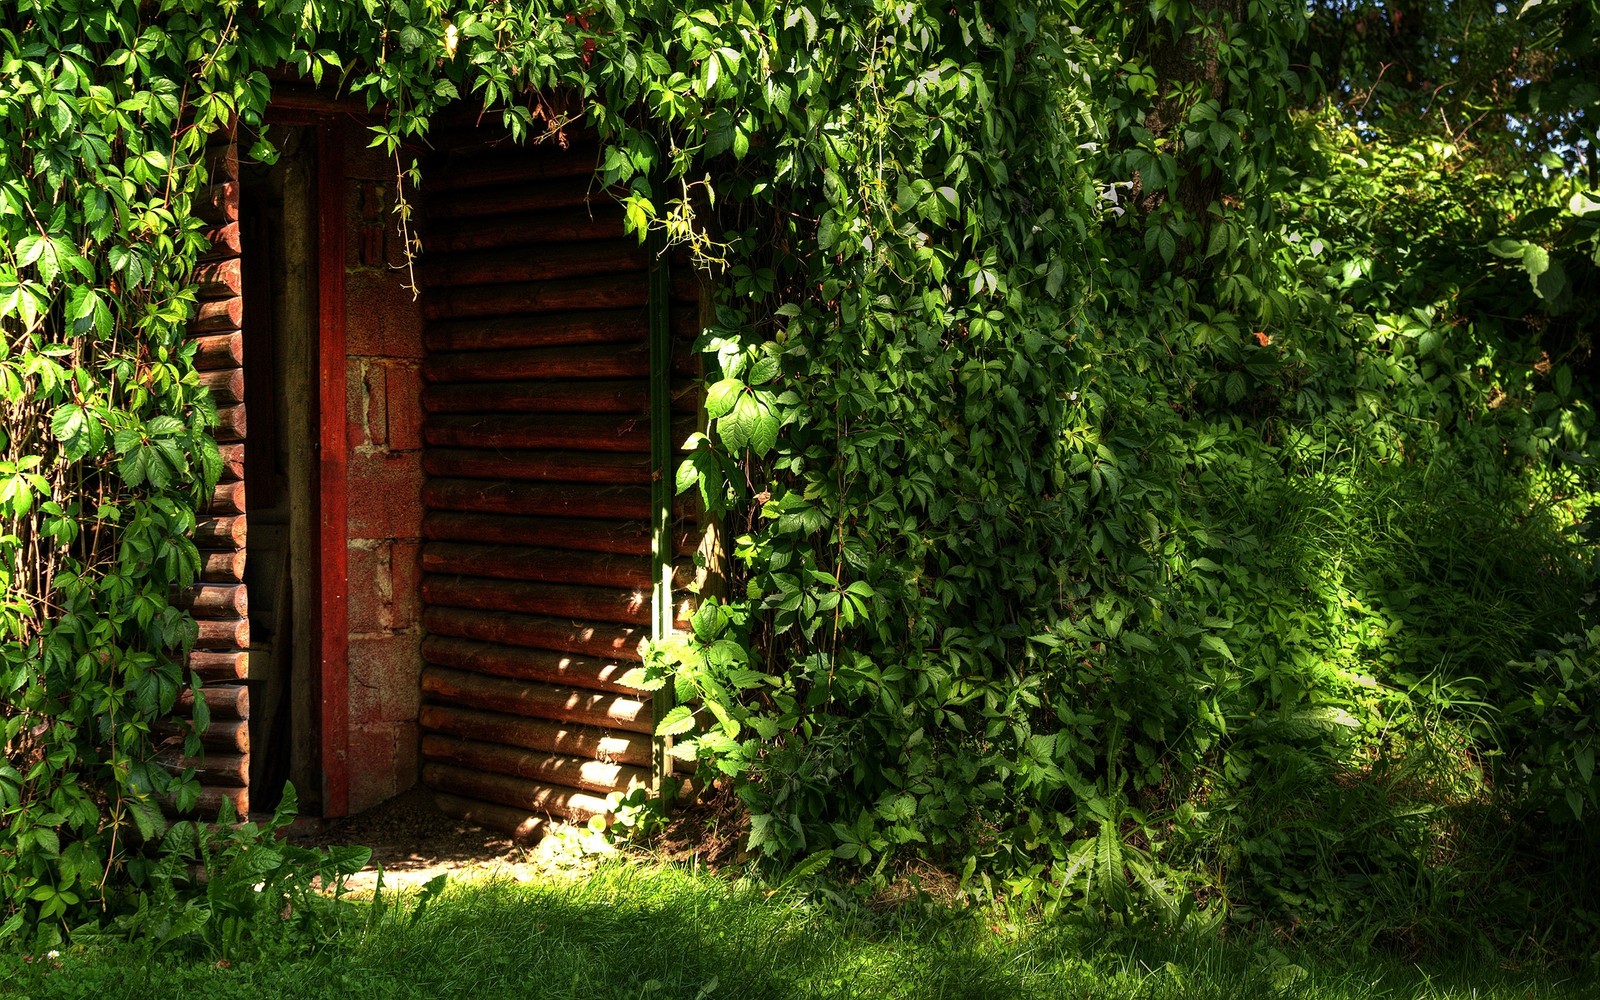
(652, 931)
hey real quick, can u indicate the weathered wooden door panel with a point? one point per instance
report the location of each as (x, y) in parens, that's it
(537, 552)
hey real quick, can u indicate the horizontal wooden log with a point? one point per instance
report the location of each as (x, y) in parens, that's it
(578, 433)
(220, 532)
(631, 396)
(225, 701)
(596, 221)
(217, 316)
(517, 562)
(227, 499)
(223, 350)
(219, 203)
(232, 461)
(500, 202)
(517, 825)
(220, 667)
(222, 565)
(218, 770)
(538, 466)
(225, 736)
(547, 499)
(544, 262)
(608, 291)
(538, 735)
(230, 424)
(606, 361)
(522, 793)
(569, 772)
(209, 804)
(224, 240)
(217, 600)
(226, 385)
(221, 279)
(598, 639)
(234, 634)
(566, 740)
(517, 663)
(621, 537)
(609, 396)
(222, 163)
(536, 700)
(516, 166)
(518, 332)
(599, 604)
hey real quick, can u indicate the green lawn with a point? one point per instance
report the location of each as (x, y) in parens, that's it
(642, 930)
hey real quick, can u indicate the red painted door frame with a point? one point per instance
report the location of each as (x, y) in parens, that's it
(331, 633)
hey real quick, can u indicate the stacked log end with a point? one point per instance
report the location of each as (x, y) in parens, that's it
(537, 550)
(218, 600)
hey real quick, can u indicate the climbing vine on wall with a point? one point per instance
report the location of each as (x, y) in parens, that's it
(1091, 453)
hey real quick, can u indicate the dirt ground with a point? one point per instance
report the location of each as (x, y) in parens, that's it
(413, 841)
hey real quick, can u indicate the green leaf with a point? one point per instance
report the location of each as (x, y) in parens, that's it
(676, 722)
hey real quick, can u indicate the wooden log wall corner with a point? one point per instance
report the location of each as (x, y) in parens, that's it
(219, 601)
(537, 553)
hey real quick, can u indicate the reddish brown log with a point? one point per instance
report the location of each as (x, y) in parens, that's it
(232, 461)
(580, 433)
(534, 796)
(515, 562)
(538, 466)
(227, 500)
(600, 639)
(226, 736)
(218, 316)
(623, 538)
(210, 802)
(217, 600)
(222, 566)
(219, 204)
(219, 667)
(536, 263)
(556, 499)
(527, 664)
(568, 772)
(226, 385)
(224, 241)
(537, 700)
(230, 423)
(595, 221)
(220, 532)
(517, 332)
(222, 162)
(500, 202)
(600, 604)
(224, 634)
(518, 826)
(224, 350)
(619, 291)
(608, 361)
(517, 166)
(538, 734)
(218, 769)
(226, 701)
(220, 279)
(538, 397)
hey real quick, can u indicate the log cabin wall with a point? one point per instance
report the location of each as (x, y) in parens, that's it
(537, 533)
(219, 601)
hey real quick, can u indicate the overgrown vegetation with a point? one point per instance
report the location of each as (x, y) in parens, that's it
(1157, 454)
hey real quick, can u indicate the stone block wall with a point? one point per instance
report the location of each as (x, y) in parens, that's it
(383, 336)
